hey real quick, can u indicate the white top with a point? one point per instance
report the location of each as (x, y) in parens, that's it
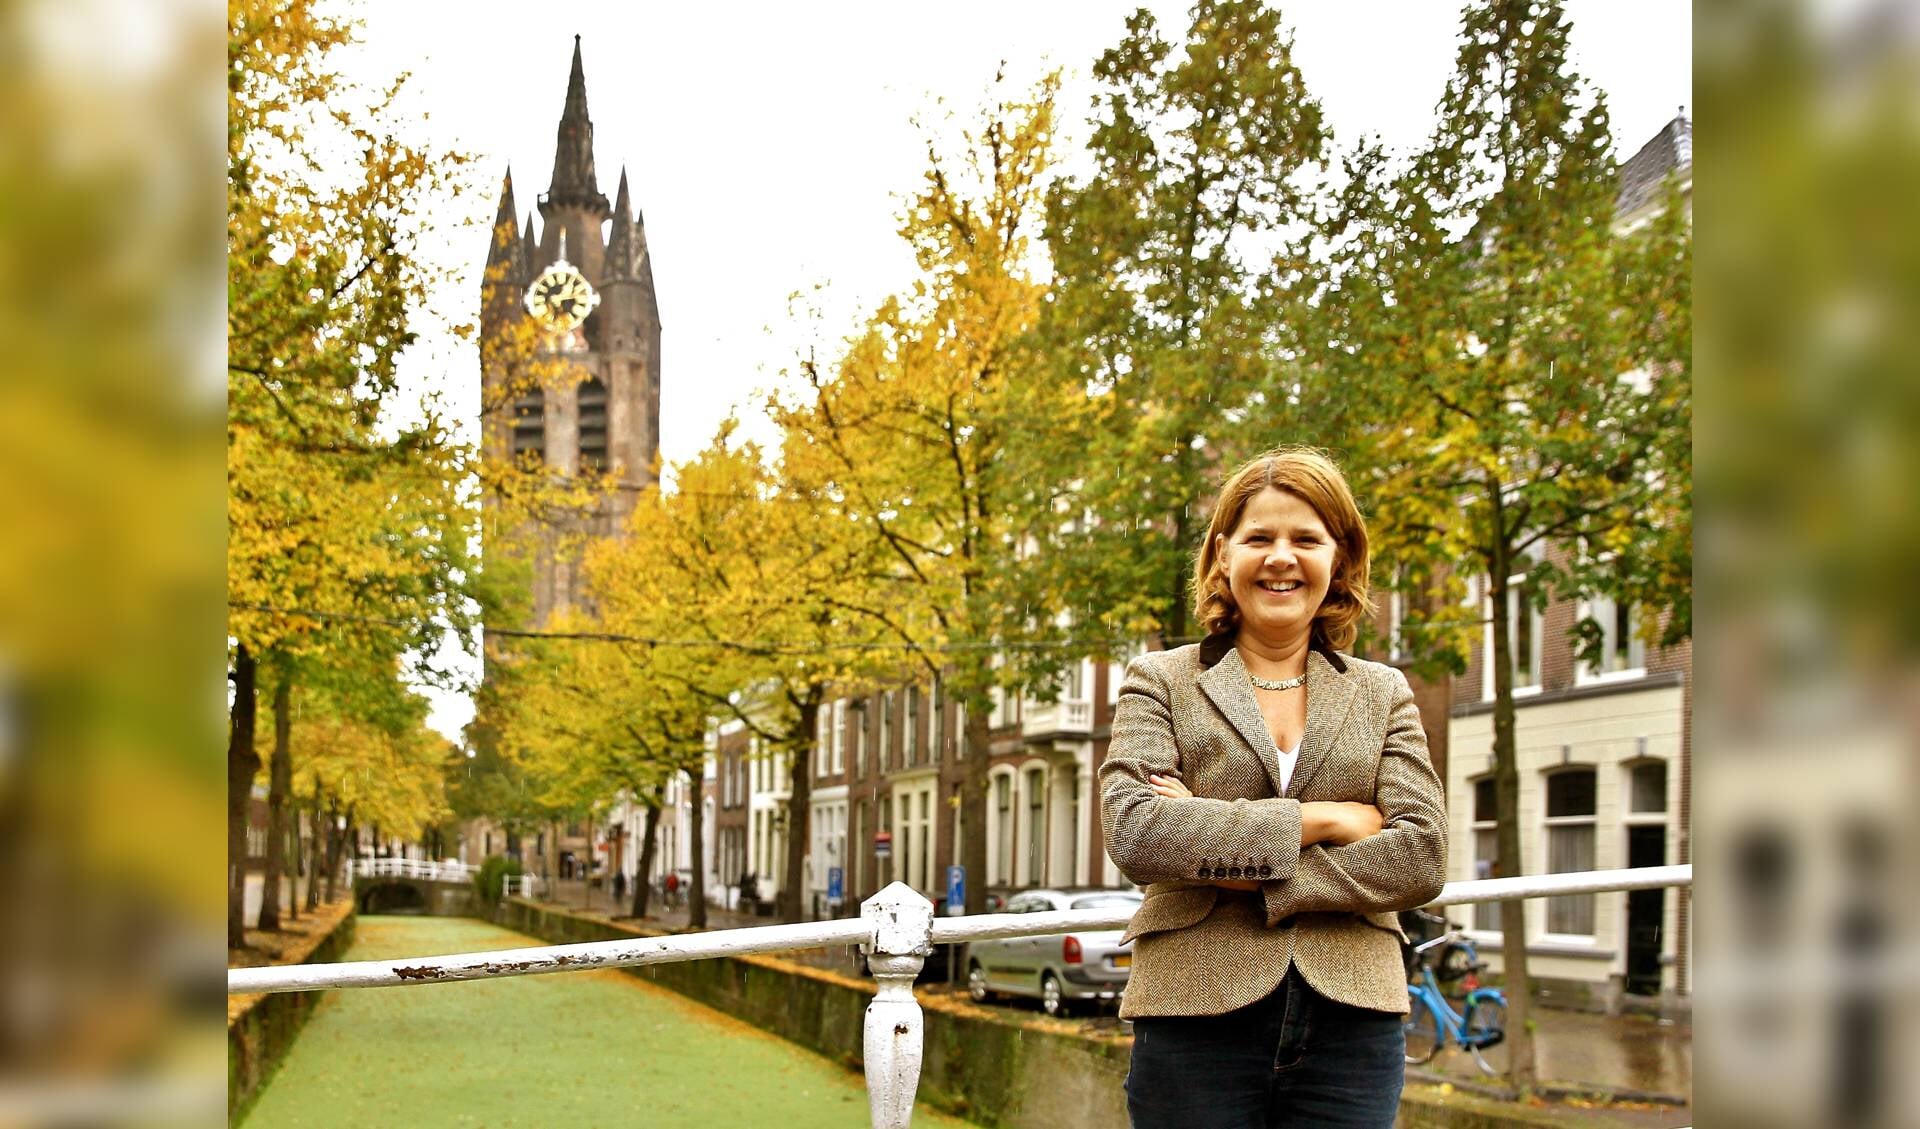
(1288, 758)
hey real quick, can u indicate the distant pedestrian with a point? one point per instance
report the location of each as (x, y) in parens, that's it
(620, 885)
(673, 890)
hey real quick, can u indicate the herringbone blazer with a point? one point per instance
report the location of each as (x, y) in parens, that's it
(1326, 909)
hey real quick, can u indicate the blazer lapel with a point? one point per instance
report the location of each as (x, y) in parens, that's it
(1226, 683)
(1329, 696)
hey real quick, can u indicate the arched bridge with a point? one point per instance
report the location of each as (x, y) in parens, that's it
(442, 889)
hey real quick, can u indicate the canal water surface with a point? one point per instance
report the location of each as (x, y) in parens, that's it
(575, 1048)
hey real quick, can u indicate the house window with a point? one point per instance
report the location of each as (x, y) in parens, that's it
(1570, 840)
(937, 735)
(886, 731)
(1647, 788)
(1075, 685)
(926, 838)
(839, 737)
(1486, 849)
(1621, 650)
(860, 745)
(1523, 636)
(593, 425)
(1036, 825)
(1003, 808)
(913, 725)
(530, 426)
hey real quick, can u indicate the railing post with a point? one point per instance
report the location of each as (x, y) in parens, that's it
(902, 923)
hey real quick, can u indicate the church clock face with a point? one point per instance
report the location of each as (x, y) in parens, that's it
(561, 298)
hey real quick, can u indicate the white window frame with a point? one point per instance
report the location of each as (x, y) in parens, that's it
(839, 738)
(1475, 825)
(1601, 610)
(1536, 623)
(1547, 824)
(886, 730)
(911, 737)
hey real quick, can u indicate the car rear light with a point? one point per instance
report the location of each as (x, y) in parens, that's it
(1070, 950)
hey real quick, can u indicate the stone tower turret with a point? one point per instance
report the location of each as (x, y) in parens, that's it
(608, 420)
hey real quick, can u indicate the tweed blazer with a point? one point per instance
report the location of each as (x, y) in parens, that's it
(1328, 910)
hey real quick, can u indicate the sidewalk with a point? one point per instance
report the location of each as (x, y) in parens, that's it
(1630, 1055)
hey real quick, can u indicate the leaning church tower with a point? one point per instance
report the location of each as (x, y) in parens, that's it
(583, 275)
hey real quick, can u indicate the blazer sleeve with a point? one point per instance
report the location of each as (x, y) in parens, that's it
(1156, 839)
(1401, 867)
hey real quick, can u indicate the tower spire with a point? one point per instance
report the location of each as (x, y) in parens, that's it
(505, 244)
(620, 240)
(574, 183)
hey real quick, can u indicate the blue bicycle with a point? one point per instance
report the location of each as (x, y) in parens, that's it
(1432, 1023)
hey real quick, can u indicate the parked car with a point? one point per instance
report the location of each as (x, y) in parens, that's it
(1057, 970)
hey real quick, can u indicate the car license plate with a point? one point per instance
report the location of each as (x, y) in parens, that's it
(1123, 960)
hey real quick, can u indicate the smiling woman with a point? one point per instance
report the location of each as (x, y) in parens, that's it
(1276, 796)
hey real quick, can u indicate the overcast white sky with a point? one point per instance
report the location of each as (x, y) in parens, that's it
(768, 147)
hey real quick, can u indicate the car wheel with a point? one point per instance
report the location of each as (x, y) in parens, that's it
(977, 983)
(1053, 1001)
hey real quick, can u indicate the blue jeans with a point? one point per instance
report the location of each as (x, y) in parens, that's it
(1294, 1058)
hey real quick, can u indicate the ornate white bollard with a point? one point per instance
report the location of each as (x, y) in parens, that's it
(902, 937)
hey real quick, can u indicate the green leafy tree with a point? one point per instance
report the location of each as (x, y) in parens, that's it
(737, 566)
(1508, 378)
(347, 533)
(1175, 268)
(908, 437)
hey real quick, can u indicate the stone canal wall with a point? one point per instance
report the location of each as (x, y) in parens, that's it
(978, 1066)
(994, 1066)
(261, 1026)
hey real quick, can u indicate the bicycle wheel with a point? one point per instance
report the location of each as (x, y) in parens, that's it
(1486, 1017)
(1422, 1026)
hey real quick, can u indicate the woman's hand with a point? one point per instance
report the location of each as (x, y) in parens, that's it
(1169, 787)
(1338, 822)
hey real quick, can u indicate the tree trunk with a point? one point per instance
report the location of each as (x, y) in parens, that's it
(316, 852)
(650, 837)
(972, 850)
(335, 843)
(1506, 784)
(697, 851)
(296, 864)
(279, 784)
(242, 763)
(799, 805)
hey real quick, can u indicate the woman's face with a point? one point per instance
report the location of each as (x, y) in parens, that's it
(1278, 563)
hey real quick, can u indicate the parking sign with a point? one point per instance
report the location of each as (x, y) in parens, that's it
(836, 883)
(956, 890)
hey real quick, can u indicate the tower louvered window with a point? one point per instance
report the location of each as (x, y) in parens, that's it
(593, 425)
(530, 426)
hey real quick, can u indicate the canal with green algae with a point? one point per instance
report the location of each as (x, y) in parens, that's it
(574, 1048)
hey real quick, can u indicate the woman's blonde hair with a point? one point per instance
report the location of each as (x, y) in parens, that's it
(1312, 477)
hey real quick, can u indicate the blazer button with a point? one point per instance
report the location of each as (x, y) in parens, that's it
(1266, 872)
(1205, 873)
(1233, 872)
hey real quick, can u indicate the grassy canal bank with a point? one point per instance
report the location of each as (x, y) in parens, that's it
(576, 1048)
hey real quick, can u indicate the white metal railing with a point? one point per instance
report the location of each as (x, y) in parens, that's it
(1076, 716)
(444, 871)
(896, 929)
